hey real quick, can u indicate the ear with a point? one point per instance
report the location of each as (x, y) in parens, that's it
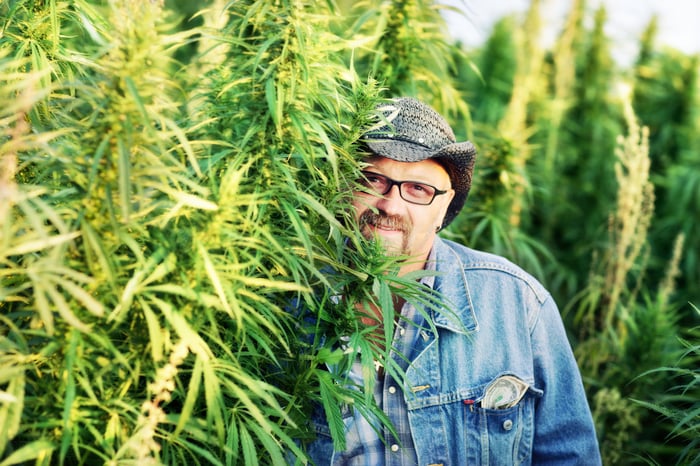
(445, 204)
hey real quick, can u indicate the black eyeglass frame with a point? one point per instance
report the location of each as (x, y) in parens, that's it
(391, 183)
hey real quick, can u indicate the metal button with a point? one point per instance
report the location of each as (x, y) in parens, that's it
(507, 424)
(394, 448)
(392, 389)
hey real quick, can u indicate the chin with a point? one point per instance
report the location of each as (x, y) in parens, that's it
(392, 247)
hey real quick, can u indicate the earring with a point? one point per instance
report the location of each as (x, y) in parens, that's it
(437, 228)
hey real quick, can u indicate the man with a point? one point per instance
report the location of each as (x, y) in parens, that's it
(492, 379)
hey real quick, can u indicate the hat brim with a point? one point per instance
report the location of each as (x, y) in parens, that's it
(457, 159)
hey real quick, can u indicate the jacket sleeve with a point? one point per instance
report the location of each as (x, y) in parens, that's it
(564, 430)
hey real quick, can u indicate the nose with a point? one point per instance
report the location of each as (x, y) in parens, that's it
(390, 202)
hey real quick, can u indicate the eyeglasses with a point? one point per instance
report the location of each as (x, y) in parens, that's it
(410, 191)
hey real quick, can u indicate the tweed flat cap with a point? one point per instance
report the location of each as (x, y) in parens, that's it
(411, 131)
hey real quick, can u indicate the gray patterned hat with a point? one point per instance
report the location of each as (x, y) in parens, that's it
(411, 131)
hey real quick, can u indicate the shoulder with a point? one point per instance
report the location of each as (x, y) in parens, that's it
(481, 265)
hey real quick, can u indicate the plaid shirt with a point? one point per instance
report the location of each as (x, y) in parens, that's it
(364, 446)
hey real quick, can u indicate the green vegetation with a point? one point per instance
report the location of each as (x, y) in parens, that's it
(172, 180)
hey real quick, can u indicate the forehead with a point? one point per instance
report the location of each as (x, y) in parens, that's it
(426, 170)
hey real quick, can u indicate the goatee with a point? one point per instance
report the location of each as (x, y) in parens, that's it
(381, 220)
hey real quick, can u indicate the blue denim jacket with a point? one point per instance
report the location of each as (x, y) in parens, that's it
(502, 322)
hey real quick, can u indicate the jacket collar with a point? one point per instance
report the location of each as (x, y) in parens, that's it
(457, 314)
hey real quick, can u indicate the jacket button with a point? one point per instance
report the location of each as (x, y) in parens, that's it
(394, 448)
(392, 389)
(507, 424)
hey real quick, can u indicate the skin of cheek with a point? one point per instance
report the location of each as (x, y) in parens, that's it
(418, 224)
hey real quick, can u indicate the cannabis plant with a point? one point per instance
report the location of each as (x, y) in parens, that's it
(174, 233)
(142, 263)
(680, 406)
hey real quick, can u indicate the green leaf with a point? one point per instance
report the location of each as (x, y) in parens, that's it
(38, 450)
(248, 447)
(11, 406)
(193, 391)
(331, 407)
(124, 174)
(272, 104)
(41, 244)
(64, 310)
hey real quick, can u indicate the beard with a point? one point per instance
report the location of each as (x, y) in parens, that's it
(379, 219)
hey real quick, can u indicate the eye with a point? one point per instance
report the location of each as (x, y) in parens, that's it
(416, 187)
(419, 189)
(373, 180)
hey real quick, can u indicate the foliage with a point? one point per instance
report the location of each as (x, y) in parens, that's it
(168, 192)
(682, 406)
(140, 260)
(503, 190)
(617, 423)
(122, 302)
(666, 96)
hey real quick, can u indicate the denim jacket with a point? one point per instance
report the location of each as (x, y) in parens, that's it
(502, 322)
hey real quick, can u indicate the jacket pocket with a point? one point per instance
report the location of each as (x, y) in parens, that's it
(501, 436)
(321, 450)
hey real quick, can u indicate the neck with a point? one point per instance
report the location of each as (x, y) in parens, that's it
(374, 317)
(413, 264)
(417, 261)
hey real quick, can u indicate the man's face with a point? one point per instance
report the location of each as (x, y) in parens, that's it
(403, 228)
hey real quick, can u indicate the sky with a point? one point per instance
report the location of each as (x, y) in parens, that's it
(678, 21)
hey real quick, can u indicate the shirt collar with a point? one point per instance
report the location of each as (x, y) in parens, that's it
(430, 266)
(457, 313)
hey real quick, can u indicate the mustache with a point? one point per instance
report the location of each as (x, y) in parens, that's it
(381, 219)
